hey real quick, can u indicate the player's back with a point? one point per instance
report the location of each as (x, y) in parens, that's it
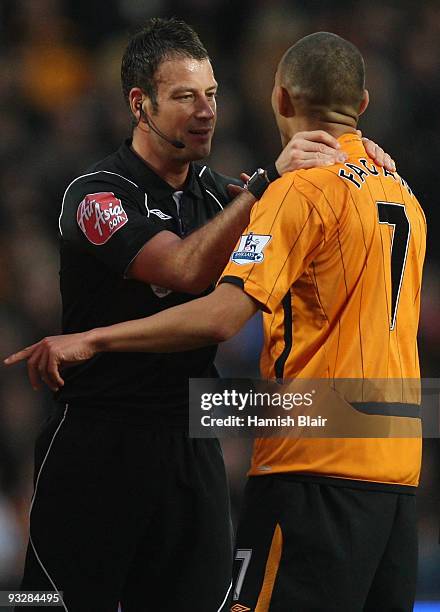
(356, 306)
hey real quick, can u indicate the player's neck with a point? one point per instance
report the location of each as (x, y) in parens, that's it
(335, 124)
(172, 171)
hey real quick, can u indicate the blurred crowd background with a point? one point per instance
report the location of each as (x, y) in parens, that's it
(61, 109)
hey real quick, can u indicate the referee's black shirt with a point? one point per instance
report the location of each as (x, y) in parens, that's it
(107, 216)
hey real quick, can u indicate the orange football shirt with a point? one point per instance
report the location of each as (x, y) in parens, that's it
(334, 257)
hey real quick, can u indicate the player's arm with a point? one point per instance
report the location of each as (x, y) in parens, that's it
(210, 319)
(191, 264)
(201, 322)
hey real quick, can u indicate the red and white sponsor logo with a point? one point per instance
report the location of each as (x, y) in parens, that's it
(100, 215)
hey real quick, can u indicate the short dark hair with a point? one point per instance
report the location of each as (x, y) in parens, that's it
(325, 69)
(158, 40)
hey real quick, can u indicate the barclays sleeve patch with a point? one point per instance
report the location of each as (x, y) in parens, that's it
(250, 249)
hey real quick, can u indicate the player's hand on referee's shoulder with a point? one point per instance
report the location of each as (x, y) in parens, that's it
(45, 358)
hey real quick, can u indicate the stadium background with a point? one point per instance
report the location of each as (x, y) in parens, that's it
(61, 108)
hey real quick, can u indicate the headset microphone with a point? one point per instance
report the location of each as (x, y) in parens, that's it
(176, 143)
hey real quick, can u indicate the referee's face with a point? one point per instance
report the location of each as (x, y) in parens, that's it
(186, 96)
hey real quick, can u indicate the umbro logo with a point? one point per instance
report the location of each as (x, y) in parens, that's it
(155, 211)
(159, 213)
(239, 608)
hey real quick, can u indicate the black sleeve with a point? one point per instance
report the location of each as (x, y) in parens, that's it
(107, 219)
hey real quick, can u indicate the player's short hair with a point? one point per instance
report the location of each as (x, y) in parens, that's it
(159, 39)
(325, 70)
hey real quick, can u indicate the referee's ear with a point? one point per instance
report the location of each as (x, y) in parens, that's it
(364, 103)
(135, 101)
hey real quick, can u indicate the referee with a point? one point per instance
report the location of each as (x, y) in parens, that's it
(125, 507)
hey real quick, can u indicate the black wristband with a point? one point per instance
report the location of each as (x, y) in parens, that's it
(261, 179)
(258, 183)
(272, 172)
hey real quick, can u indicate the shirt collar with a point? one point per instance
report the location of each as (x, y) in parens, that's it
(352, 144)
(151, 182)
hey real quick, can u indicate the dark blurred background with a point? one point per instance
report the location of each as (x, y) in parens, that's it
(61, 108)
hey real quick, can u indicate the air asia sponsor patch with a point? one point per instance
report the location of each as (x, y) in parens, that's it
(100, 215)
(250, 249)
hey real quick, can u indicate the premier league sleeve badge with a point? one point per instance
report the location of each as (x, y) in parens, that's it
(250, 249)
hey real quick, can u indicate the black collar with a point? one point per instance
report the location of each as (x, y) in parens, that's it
(151, 182)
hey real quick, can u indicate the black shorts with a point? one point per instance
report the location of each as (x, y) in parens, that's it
(307, 546)
(125, 513)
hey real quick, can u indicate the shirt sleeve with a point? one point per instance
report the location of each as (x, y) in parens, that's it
(107, 220)
(285, 232)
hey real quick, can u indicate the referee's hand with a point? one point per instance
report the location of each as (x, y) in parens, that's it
(310, 150)
(235, 190)
(47, 357)
(377, 154)
(318, 148)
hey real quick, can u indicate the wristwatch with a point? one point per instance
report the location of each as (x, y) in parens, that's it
(261, 178)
